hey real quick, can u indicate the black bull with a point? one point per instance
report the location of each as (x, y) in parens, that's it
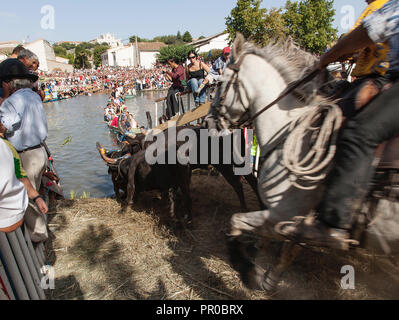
(134, 175)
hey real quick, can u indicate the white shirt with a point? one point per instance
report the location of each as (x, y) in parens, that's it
(13, 196)
(30, 127)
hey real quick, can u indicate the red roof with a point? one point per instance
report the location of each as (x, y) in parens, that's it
(150, 46)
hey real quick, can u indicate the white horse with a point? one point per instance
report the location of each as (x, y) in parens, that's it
(255, 78)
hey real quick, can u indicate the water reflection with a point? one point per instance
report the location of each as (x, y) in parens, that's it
(78, 163)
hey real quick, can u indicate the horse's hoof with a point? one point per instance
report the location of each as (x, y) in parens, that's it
(253, 278)
(188, 221)
(241, 257)
(270, 281)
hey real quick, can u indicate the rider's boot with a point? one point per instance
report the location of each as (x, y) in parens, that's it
(313, 232)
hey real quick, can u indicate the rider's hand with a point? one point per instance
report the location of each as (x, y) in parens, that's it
(323, 62)
(41, 205)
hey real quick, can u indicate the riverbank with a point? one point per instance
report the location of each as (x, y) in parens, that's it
(99, 253)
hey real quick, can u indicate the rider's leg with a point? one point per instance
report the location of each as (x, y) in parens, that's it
(360, 93)
(347, 183)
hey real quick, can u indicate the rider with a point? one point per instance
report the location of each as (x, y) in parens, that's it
(371, 67)
(347, 183)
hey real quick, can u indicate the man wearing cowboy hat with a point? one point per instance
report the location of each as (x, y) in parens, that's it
(23, 116)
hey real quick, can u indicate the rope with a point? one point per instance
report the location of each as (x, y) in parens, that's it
(317, 130)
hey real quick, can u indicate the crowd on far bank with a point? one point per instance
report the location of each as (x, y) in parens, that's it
(106, 78)
(116, 113)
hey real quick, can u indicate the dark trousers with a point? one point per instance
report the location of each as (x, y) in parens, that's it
(171, 101)
(347, 183)
(348, 99)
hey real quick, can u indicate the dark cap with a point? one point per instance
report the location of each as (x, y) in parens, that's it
(15, 69)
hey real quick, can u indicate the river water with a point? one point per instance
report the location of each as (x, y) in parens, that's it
(78, 162)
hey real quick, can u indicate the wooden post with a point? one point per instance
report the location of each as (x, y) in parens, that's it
(149, 120)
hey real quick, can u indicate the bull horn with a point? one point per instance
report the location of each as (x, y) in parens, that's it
(101, 150)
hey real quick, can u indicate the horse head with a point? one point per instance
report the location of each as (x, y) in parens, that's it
(240, 91)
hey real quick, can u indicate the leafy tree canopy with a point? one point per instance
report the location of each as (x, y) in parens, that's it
(187, 37)
(247, 18)
(215, 53)
(308, 22)
(98, 51)
(177, 52)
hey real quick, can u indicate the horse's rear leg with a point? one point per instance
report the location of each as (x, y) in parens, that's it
(288, 253)
(228, 173)
(185, 189)
(172, 202)
(253, 182)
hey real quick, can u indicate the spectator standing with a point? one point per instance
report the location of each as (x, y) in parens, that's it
(15, 188)
(23, 116)
(177, 76)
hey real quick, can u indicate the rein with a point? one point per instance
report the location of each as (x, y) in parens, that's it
(290, 88)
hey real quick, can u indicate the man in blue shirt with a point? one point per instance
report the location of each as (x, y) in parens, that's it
(217, 69)
(23, 115)
(347, 184)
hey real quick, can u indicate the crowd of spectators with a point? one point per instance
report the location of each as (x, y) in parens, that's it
(81, 81)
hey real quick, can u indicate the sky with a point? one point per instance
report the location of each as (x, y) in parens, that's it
(84, 20)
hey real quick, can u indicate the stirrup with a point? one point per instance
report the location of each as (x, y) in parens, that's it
(332, 238)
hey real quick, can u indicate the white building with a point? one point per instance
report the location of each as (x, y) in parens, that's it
(108, 39)
(217, 41)
(129, 56)
(47, 59)
(124, 56)
(148, 53)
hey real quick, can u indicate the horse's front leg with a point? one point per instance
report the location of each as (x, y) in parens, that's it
(288, 253)
(247, 232)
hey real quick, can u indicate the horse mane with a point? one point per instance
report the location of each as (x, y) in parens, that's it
(288, 58)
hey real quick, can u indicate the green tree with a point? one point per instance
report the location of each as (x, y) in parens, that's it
(275, 28)
(132, 39)
(178, 36)
(177, 52)
(60, 51)
(247, 18)
(67, 46)
(187, 37)
(81, 60)
(310, 23)
(215, 53)
(97, 52)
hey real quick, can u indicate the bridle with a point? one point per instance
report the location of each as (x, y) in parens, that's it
(235, 82)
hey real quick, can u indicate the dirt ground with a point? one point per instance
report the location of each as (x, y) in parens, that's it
(100, 253)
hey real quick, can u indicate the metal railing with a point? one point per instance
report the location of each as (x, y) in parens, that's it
(21, 266)
(161, 104)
